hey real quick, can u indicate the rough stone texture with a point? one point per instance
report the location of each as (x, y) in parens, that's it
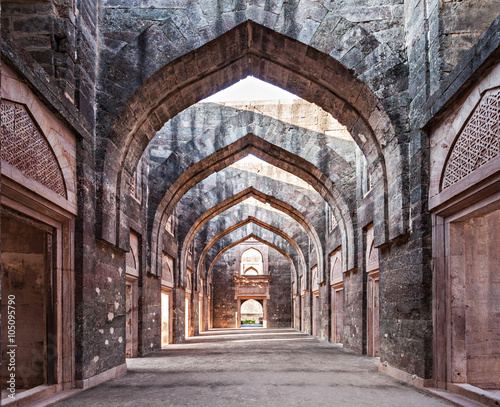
(455, 27)
(138, 65)
(103, 317)
(48, 32)
(288, 367)
(223, 289)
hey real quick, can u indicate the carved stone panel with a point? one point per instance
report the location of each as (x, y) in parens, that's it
(167, 268)
(252, 286)
(24, 147)
(336, 267)
(478, 143)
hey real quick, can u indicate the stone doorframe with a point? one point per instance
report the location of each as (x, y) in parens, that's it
(133, 341)
(262, 299)
(444, 339)
(25, 204)
(459, 191)
(336, 289)
(373, 346)
(168, 290)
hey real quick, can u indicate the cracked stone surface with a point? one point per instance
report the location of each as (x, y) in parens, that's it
(253, 367)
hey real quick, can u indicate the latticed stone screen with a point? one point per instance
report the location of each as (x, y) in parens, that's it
(24, 147)
(478, 143)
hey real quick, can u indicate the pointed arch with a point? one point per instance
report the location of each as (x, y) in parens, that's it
(276, 156)
(253, 236)
(258, 222)
(252, 49)
(251, 192)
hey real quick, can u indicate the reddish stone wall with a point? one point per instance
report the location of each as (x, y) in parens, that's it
(225, 306)
(475, 299)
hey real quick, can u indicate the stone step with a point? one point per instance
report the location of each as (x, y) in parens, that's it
(55, 398)
(468, 400)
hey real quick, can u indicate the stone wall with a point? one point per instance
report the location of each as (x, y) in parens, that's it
(279, 305)
(225, 307)
(100, 340)
(374, 67)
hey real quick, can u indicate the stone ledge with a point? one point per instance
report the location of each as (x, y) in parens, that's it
(32, 395)
(474, 393)
(113, 373)
(454, 398)
(405, 377)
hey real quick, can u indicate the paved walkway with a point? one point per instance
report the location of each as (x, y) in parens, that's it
(253, 367)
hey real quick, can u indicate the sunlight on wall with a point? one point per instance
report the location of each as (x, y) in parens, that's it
(255, 165)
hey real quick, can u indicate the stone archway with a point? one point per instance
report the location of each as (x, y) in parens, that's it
(235, 200)
(252, 312)
(182, 83)
(264, 226)
(272, 154)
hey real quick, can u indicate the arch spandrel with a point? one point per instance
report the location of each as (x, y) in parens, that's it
(26, 148)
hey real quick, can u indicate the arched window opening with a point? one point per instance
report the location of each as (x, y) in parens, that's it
(250, 271)
(252, 262)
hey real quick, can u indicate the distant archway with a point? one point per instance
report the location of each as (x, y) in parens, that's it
(252, 312)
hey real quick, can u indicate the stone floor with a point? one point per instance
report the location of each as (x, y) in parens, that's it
(253, 367)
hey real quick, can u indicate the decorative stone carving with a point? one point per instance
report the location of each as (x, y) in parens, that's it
(315, 284)
(24, 147)
(336, 268)
(478, 143)
(372, 263)
(168, 268)
(252, 286)
(333, 220)
(130, 259)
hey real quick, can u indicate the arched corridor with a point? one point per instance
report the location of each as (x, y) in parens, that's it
(253, 202)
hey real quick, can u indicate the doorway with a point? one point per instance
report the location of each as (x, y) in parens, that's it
(315, 314)
(187, 314)
(27, 304)
(165, 318)
(372, 290)
(474, 275)
(252, 314)
(337, 314)
(373, 315)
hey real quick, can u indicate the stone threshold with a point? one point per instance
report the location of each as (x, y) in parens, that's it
(32, 396)
(113, 373)
(44, 395)
(55, 398)
(467, 395)
(463, 395)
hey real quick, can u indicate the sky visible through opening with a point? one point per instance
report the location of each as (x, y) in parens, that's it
(250, 89)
